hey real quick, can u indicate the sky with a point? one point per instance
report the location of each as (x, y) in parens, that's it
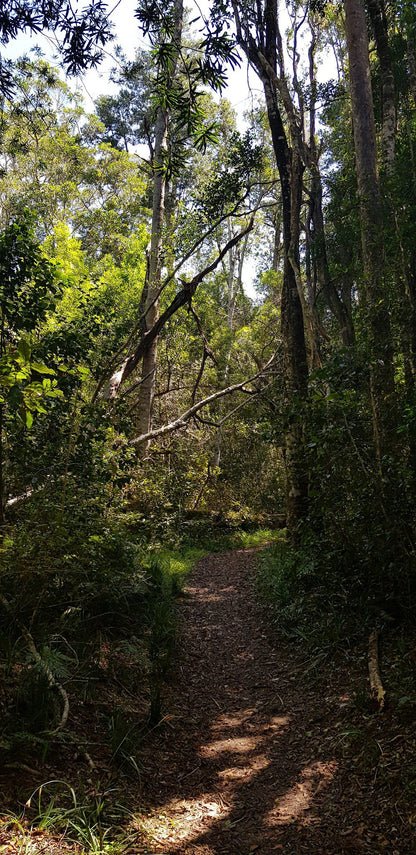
(127, 33)
(243, 89)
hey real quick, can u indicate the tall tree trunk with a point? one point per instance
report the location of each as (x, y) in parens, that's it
(411, 64)
(295, 359)
(401, 272)
(332, 298)
(262, 55)
(381, 355)
(378, 17)
(236, 258)
(149, 364)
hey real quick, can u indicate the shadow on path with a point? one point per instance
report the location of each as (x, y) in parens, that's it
(246, 764)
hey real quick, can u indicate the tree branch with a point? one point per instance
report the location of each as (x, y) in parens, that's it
(185, 417)
(164, 284)
(182, 298)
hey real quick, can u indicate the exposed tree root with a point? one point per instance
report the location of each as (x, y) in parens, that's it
(376, 686)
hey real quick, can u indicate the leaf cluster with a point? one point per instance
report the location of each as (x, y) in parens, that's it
(83, 34)
(29, 284)
(232, 174)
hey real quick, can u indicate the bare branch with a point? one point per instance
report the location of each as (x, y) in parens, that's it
(182, 421)
(206, 354)
(233, 213)
(182, 298)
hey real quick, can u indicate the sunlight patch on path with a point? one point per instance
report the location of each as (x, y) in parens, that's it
(232, 745)
(183, 819)
(294, 804)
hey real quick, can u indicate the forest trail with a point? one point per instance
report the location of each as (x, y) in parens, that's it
(250, 759)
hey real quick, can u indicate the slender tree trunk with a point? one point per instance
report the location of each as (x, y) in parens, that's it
(295, 359)
(149, 364)
(381, 355)
(277, 241)
(332, 298)
(400, 272)
(411, 64)
(378, 17)
(236, 258)
(262, 55)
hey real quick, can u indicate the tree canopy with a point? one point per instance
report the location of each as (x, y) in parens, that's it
(208, 325)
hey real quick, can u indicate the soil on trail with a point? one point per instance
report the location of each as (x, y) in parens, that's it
(250, 761)
(263, 748)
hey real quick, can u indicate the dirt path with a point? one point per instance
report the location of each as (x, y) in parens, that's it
(264, 748)
(250, 761)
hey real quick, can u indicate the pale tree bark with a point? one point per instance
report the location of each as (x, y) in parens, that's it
(332, 298)
(234, 274)
(109, 390)
(378, 17)
(381, 369)
(152, 285)
(182, 421)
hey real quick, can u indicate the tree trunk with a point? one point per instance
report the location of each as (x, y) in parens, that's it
(381, 350)
(411, 64)
(236, 258)
(295, 359)
(332, 298)
(149, 364)
(377, 12)
(262, 55)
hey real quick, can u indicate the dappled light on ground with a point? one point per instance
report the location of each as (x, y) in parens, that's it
(242, 776)
(294, 804)
(261, 749)
(229, 746)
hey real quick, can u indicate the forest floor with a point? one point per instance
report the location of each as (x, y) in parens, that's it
(264, 747)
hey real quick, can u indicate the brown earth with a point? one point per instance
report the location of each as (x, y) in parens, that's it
(264, 747)
(258, 755)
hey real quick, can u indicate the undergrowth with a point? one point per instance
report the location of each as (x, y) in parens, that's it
(82, 604)
(89, 601)
(309, 602)
(99, 823)
(305, 603)
(92, 601)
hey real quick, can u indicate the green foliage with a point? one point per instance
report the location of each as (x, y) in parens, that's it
(94, 560)
(355, 566)
(29, 289)
(82, 34)
(231, 174)
(96, 822)
(164, 585)
(29, 282)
